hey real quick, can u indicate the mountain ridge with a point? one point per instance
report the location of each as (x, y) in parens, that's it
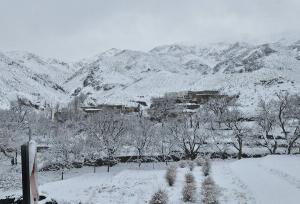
(122, 76)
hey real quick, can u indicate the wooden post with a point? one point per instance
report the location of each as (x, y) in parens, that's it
(25, 174)
(29, 182)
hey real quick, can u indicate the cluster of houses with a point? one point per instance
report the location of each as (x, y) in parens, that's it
(175, 103)
(108, 107)
(169, 105)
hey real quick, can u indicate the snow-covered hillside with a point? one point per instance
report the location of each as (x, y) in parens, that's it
(28, 76)
(122, 76)
(253, 71)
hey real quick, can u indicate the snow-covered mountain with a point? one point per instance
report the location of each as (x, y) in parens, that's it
(253, 71)
(122, 76)
(28, 76)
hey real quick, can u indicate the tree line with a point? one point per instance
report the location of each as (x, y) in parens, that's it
(69, 134)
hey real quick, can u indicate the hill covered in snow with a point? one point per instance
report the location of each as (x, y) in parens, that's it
(30, 77)
(122, 76)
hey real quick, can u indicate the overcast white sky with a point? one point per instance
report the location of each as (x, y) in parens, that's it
(72, 29)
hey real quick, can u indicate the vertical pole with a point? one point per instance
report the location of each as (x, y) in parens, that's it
(16, 157)
(25, 174)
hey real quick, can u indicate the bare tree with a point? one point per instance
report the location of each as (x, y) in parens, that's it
(6, 137)
(164, 143)
(266, 120)
(189, 133)
(240, 132)
(219, 106)
(142, 132)
(215, 118)
(287, 109)
(63, 143)
(14, 124)
(107, 130)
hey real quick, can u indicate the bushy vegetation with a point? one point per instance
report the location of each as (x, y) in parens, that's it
(189, 189)
(189, 178)
(189, 192)
(160, 197)
(206, 167)
(209, 191)
(171, 175)
(191, 165)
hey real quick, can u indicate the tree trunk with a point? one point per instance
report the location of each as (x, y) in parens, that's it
(274, 148)
(240, 148)
(193, 155)
(240, 154)
(291, 144)
(289, 150)
(140, 158)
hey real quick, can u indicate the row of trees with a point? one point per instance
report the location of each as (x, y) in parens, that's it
(274, 121)
(283, 113)
(72, 134)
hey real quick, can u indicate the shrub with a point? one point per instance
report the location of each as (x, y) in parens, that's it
(191, 165)
(199, 161)
(188, 192)
(171, 175)
(209, 191)
(189, 178)
(206, 167)
(160, 197)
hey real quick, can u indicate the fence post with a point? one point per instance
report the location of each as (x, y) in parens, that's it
(25, 174)
(29, 182)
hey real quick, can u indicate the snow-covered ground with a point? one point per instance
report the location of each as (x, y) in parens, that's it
(272, 179)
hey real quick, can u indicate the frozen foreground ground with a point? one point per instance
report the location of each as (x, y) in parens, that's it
(272, 179)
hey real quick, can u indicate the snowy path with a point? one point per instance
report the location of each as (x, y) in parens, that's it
(233, 190)
(266, 187)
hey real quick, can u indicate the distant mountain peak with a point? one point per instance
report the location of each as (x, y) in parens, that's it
(110, 53)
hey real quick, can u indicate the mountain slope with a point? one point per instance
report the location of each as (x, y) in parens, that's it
(122, 76)
(253, 71)
(27, 76)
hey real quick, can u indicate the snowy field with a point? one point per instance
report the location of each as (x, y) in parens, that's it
(272, 179)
